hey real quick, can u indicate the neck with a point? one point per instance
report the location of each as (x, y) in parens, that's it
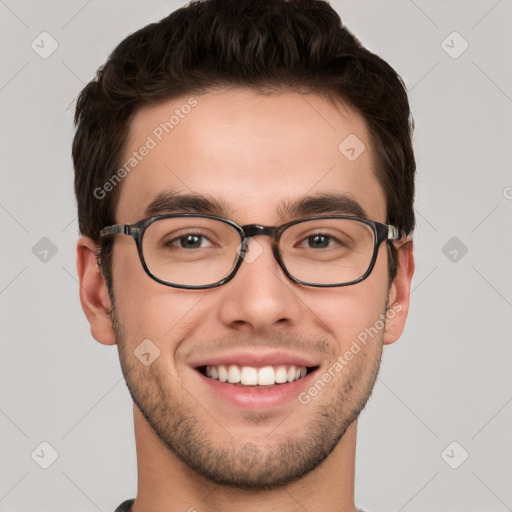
(166, 484)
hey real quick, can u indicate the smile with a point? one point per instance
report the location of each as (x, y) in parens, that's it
(254, 377)
(250, 387)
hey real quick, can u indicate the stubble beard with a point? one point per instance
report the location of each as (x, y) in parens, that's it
(175, 416)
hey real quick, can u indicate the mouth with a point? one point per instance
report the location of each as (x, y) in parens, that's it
(256, 377)
(255, 380)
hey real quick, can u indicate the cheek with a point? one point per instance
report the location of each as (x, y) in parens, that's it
(146, 309)
(129, 280)
(349, 313)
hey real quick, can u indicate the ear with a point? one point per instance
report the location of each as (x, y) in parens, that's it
(94, 292)
(399, 293)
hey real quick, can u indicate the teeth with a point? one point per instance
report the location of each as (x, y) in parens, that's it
(233, 374)
(266, 376)
(223, 373)
(281, 375)
(249, 376)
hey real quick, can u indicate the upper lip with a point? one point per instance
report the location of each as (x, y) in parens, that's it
(256, 359)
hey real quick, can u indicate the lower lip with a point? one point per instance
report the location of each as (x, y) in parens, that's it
(257, 398)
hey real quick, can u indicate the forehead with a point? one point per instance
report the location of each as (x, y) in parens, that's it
(249, 151)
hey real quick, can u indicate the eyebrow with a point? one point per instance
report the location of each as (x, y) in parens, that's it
(318, 204)
(174, 202)
(322, 204)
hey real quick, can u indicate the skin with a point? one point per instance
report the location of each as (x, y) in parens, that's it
(194, 450)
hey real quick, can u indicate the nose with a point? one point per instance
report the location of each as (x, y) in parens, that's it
(260, 296)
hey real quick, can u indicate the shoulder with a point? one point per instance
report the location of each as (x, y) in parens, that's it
(126, 506)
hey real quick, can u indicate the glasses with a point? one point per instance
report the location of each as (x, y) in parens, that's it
(196, 251)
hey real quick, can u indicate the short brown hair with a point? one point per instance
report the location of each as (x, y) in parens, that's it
(268, 45)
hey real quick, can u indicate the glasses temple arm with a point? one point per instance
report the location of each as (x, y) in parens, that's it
(398, 235)
(394, 233)
(117, 229)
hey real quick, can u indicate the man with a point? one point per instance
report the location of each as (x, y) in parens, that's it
(245, 181)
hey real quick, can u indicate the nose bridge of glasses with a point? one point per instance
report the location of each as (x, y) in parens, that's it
(251, 230)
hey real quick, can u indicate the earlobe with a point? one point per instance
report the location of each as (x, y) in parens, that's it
(399, 294)
(94, 292)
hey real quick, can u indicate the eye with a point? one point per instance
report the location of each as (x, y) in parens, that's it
(319, 241)
(190, 241)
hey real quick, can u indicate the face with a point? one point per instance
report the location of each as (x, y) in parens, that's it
(253, 155)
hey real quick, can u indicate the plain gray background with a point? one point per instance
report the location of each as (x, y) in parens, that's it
(444, 391)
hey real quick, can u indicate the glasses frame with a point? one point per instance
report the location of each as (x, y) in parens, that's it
(381, 232)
